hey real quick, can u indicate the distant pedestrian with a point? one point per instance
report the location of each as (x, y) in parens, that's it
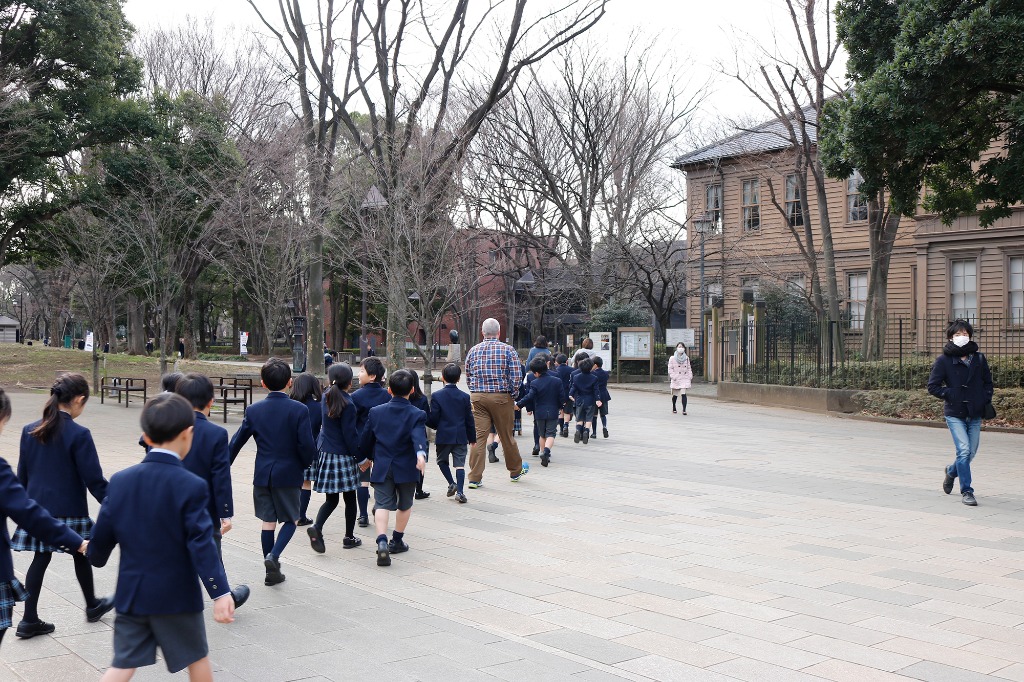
(371, 393)
(540, 347)
(586, 397)
(961, 377)
(602, 387)
(681, 374)
(451, 414)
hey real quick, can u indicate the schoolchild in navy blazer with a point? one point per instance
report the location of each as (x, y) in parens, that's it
(339, 436)
(564, 372)
(306, 389)
(545, 397)
(451, 415)
(586, 396)
(602, 389)
(370, 394)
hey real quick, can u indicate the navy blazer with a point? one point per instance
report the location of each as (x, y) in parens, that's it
(964, 388)
(56, 473)
(338, 436)
(315, 416)
(602, 383)
(544, 397)
(284, 440)
(564, 372)
(451, 414)
(157, 512)
(366, 398)
(15, 503)
(210, 460)
(394, 433)
(584, 388)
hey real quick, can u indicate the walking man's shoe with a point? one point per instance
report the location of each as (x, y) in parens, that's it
(969, 499)
(947, 483)
(525, 470)
(475, 484)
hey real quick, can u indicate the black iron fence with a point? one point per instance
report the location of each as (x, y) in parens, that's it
(830, 354)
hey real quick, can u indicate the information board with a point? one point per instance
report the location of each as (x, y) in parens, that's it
(686, 336)
(603, 347)
(635, 344)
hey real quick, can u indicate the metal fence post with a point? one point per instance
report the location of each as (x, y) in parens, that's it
(831, 351)
(902, 384)
(792, 353)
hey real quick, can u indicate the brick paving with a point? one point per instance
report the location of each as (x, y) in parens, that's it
(737, 543)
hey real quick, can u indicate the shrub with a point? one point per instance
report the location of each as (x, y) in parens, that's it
(919, 404)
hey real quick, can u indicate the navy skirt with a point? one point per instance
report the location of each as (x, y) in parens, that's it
(23, 542)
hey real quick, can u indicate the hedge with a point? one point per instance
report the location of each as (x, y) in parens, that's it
(918, 404)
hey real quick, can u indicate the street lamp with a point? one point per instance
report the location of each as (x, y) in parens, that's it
(373, 203)
(702, 225)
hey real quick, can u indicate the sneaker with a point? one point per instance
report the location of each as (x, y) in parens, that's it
(397, 546)
(304, 521)
(274, 574)
(316, 539)
(526, 470)
(363, 522)
(536, 452)
(968, 499)
(383, 554)
(351, 542)
(578, 436)
(545, 459)
(422, 495)
(947, 483)
(461, 498)
(28, 629)
(102, 607)
(605, 431)
(586, 436)
(452, 489)
(240, 595)
(475, 484)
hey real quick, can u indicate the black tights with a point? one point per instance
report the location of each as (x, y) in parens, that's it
(328, 507)
(34, 582)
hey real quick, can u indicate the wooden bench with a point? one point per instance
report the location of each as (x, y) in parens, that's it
(124, 386)
(232, 391)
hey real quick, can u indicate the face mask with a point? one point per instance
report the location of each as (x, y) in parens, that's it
(961, 341)
(680, 352)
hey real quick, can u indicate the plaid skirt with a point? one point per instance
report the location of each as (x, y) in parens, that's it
(23, 542)
(10, 592)
(309, 473)
(335, 473)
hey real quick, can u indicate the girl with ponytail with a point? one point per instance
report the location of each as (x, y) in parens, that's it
(336, 470)
(58, 464)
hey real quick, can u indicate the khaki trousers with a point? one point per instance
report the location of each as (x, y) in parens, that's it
(497, 409)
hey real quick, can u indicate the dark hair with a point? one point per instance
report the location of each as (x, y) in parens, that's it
(588, 343)
(586, 364)
(562, 359)
(66, 388)
(374, 367)
(304, 387)
(451, 373)
(960, 325)
(275, 374)
(165, 416)
(5, 407)
(598, 361)
(169, 382)
(417, 391)
(541, 342)
(539, 365)
(197, 389)
(339, 378)
(580, 356)
(402, 383)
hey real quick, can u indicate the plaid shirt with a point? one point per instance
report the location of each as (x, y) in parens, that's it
(493, 367)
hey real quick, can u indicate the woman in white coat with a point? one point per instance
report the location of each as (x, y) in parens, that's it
(680, 374)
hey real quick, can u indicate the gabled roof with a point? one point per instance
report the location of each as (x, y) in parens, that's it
(767, 137)
(8, 322)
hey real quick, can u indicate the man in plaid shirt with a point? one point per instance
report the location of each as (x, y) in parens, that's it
(493, 376)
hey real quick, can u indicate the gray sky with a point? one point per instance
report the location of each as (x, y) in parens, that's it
(695, 34)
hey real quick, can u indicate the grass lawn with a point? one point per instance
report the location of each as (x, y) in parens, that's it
(36, 366)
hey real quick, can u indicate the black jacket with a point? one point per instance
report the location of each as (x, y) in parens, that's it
(965, 388)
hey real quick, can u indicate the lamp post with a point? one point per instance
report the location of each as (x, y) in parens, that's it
(701, 226)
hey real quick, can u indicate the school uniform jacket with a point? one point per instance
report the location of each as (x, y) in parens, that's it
(210, 460)
(284, 440)
(315, 417)
(545, 397)
(338, 436)
(564, 372)
(584, 389)
(57, 473)
(602, 383)
(157, 512)
(366, 398)
(394, 433)
(451, 414)
(15, 503)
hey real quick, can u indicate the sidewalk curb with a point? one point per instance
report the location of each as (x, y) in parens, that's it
(917, 422)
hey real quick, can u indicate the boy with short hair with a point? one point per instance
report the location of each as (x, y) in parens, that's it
(544, 398)
(156, 511)
(370, 394)
(602, 389)
(584, 394)
(395, 440)
(451, 415)
(564, 372)
(284, 448)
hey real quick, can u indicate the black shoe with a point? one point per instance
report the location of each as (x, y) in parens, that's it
(102, 607)
(461, 498)
(578, 436)
(304, 521)
(316, 539)
(492, 458)
(947, 483)
(586, 436)
(545, 459)
(422, 495)
(536, 452)
(397, 546)
(969, 499)
(363, 522)
(274, 574)
(28, 630)
(350, 543)
(240, 595)
(383, 555)
(452, 489)
(605, 432)
(565, 432)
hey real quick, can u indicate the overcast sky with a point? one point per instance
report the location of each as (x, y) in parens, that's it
(697, 34)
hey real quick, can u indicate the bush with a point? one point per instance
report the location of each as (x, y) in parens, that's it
(919, 404)
(218, 356)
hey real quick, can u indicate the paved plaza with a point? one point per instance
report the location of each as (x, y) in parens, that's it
(737, 543)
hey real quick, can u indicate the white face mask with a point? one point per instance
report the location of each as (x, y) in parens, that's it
(961, 341)
(680, 352)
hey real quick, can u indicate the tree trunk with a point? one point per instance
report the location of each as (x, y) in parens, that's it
(340, 339)
(315, 313)
(189, 326)
(136, 326)
(882, 228)
(235, 322)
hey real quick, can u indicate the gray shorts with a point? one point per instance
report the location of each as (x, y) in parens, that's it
(276, 505)
(585, 413)
(458, 453)
(546, 428)
(180, 636)
(393, 496)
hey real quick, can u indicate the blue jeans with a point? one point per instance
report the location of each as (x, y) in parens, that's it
(966, 435)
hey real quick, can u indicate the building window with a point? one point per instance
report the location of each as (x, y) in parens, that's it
(963, 289)
(752, 204)
(794, 211)
(797, 285)
(714, 291)
(856, 204)
(753, 285)
(1016, 292)
(713, 205)
(857, 298)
